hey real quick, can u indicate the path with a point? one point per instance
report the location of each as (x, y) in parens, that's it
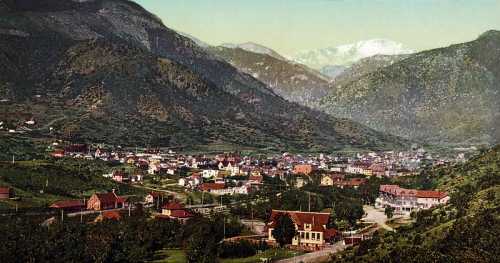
(317, 256)
(256, 226)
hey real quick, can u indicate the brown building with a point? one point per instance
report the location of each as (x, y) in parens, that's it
(100, 201)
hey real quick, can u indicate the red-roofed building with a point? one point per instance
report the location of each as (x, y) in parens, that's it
(305, 169)
(352, 183)
(404, 201)
(69, 205)
(103, 201)
(6, 192)
(176, 210)
(311, 227)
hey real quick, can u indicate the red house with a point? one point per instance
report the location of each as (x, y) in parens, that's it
(176, 210)
(6, 193)
(104, 201)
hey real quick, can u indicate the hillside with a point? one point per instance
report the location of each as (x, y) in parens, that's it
(466, 230)
(109, 71)
(292, 81)
(447, 95)
(38, 184)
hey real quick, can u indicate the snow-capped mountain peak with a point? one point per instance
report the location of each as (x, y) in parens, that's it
(347, 54)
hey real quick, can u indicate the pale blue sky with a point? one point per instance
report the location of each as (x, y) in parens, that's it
(289, 26)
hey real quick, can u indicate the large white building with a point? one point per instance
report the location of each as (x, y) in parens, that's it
(404, 201)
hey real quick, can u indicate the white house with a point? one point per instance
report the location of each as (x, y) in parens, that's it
(209, 173)
(404, 201)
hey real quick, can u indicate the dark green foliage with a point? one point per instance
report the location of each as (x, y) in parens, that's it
(241, 249)
(68, 178)
(389, 211)
(202, 241)
(134, 239)
(284, 231)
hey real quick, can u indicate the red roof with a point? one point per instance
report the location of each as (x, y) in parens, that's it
(398, 191)
(180, 214)
(352, 182)
(212, 186)
(174, 206)
(109, 198)
(4, 190)
(431, 194)
(112, 215)
(318, 221)
(301, 218)
(68, 204)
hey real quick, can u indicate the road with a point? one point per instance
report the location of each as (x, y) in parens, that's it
(318, 256)
(376, 216)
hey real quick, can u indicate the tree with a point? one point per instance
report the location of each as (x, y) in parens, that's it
(389, 212)
(203, 241)
(284, 230)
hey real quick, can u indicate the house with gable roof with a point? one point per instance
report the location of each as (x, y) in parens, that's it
(312, 229)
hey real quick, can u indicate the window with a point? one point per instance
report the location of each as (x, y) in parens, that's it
(313, 236)
(307, 235)
(302, 235)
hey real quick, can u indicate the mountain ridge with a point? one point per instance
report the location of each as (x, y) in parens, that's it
(447, 95)
(108, 71)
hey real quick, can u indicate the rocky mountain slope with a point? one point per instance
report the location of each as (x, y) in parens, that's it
(255, 48)
(109, 71)
(292, 81)
(446, 95)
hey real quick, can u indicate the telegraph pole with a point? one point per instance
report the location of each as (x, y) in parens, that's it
(309, 201)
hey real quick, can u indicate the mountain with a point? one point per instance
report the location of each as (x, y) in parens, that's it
(292, 81)
(345, 55)
(446, 95)
(365, 66)
(464, 230)
(333, 71)
(196, 40)
(255, 48)
(109, 71)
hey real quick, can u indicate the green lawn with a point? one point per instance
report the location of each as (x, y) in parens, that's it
(273, 254)
(170, 256)
(178, 256)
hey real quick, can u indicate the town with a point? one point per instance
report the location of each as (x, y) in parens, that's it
(256, 190)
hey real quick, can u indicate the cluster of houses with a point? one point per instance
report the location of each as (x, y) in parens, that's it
(404, 201)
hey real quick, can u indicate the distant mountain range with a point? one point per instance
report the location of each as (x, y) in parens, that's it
(345, 55)
(446, 95)
(108, 71)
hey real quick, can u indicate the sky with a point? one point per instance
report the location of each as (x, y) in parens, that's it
(290, 26)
